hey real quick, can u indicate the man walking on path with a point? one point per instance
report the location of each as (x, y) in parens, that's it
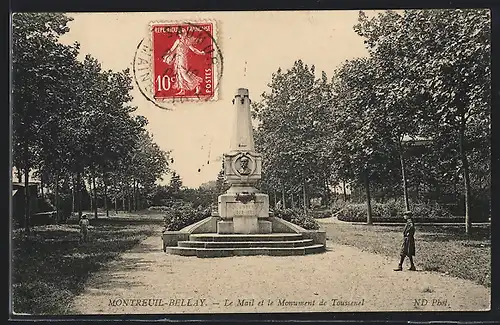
(408, 246)
(84, 228)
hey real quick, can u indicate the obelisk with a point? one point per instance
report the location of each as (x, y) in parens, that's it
(242, 208)
(242, 138)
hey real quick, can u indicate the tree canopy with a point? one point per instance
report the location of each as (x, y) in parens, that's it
(72, 119)
(427, 74)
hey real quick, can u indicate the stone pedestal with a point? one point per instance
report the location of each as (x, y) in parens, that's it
(243, 213)
(242, 209)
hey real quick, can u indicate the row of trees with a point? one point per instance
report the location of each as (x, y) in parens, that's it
(427, 74)
(202, 197)
(72, 121)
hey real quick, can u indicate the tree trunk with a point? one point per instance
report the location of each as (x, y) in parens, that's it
(327, 194)
(137, 198)
(123, 199)
(56, 197)
(283, 197)
(26, 199)
(304, 194)
(345, 191)
(368, 199)
(79, 194)
(73, 194)
(106, 199)
(403, 175)
(275, 199)
(94, 192)
(129, 205)
(466, 174)
(115, 196)
(91, 196)
(455, 190)
(19, 175)
(134, 196)
(292, 201)
(41, 187)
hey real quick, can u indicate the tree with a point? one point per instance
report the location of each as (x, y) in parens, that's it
(138, 171)
(221, 185)
(175, 185)
(153, 165)
(399, 99)
(39, 70)
(72, 120)
(293, 130)
(445, 55)
(116, 132)
(364, 147)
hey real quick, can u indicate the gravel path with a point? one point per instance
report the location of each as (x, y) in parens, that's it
(147, 280)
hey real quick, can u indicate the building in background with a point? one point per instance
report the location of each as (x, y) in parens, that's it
(18, 201)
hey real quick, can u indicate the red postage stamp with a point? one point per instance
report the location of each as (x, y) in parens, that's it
(183, 60)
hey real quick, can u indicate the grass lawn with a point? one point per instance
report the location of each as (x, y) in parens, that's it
(439, 248)
(51, 267)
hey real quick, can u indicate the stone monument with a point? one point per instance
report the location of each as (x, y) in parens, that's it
(242, 209)
(242, 225)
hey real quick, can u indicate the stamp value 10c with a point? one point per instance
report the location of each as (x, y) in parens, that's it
(184, 55)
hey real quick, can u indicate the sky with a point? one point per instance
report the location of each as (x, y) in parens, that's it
(253, 45)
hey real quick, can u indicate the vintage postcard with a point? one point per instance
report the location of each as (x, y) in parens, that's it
(251, 162)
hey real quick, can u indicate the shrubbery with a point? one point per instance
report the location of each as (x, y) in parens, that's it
(180, 216)
(168, 204)
(183, 214)
(297, 217)
(160, 208)
(338, 205)
(392, 211)
(320, 214)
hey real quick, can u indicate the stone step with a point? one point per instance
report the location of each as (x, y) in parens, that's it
(183, 251)
(212, 237)
(246, 244)
(227, 252)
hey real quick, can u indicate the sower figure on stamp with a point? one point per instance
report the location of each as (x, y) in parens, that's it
(408, 246)
(178, 56)
(84, 228)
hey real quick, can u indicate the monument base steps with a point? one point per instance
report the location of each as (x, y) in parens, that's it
(226, 245)
(244, 225)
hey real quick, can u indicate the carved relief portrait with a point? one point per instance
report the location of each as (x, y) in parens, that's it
(244, 167)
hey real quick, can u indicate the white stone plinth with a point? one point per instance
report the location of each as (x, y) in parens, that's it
(265, 227)
(245, 225)
(241, 216)
(229, 206)
(225, 227)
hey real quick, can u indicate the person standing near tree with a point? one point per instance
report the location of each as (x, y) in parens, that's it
(408, 246)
